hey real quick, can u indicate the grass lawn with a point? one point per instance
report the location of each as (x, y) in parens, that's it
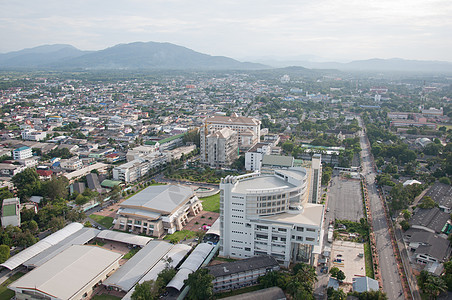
(105, 297)
(180, 235)
(239, 291)
(211, 203)
(5, 293)
(131, 253)
(368, 260)
(104, 221)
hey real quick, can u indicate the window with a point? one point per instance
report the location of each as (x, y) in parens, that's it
(309, 239)
(300, 229)
(310, 229)
(247, 249)
(300, 238)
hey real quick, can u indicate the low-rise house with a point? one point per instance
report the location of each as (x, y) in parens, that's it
(429, 247)
(429, 219)
(365, 284)
(241, 273)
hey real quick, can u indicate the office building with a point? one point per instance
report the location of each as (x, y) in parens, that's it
(222, 148)
(269, 215)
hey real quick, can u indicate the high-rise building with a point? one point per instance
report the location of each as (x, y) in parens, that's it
(222, 148)
(269, 215)
(316, 171)
(248, 131)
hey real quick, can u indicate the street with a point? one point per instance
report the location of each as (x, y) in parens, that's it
(392, 284)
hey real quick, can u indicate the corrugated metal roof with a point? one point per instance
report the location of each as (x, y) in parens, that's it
(78, 238)
(161, 198)
(40, 246)
(135, 268)
(190, 265)
(67, 273)
(177, 253)
(122, 237)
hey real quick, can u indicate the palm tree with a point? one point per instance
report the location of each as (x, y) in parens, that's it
(434, 286)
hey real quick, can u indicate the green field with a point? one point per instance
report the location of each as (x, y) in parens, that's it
(5, 293)
(104, 221)
(211, 203)
(180, 235)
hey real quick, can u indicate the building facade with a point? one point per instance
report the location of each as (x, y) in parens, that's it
(253, 157)
(241, 273)
(22, 153)
(248, 131)
(222, 148)
(269, 215)
(158, 210)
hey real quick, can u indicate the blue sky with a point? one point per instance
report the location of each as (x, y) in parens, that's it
(328, 29)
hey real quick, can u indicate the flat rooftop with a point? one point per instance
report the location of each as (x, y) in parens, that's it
(312, 214)
(261, 183)
(9, 210)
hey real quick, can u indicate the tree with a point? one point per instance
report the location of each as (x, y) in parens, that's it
(406, 214)
(27, 183)
(56, 223)
(336, 295)
(434, 286)
(56, 187)
(145, 291)
(4, 253)
(340, 275)
(428, 202)
(270, 279)
(164, 278)
(405, 225)
(200, 283)
(444, 180)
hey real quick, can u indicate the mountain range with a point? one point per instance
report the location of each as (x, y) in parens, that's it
(139, 56)
(167, 56)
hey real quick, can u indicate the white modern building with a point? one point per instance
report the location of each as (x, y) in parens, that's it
(253, 157)
(270, 215)
(316, 178)
(33, 135)
(22, 153)
(222, 148)
(131, 171)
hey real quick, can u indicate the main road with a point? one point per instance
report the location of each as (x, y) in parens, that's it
(392, 283)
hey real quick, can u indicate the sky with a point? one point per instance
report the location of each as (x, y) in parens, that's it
(243, 29)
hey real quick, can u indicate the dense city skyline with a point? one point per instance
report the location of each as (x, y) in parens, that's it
(325, 30)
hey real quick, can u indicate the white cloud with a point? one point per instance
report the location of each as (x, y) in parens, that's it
(350, 29)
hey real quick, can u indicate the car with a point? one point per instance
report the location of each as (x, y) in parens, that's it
(327, 210)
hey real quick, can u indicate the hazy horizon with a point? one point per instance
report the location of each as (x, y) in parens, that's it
(246, 30)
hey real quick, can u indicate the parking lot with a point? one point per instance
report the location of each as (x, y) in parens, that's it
(344, 199)
(346, 256)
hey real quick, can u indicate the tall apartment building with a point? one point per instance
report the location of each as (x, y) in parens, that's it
(269, 215)
(248, 131)
(316, 178)
(222, 148)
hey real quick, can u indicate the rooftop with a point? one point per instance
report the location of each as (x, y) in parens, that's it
(68, 272)
(244, 265)
(442, 194)
(312, 214)
(432, 218)
(277, 160)
(162, 198)
(261, 183)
